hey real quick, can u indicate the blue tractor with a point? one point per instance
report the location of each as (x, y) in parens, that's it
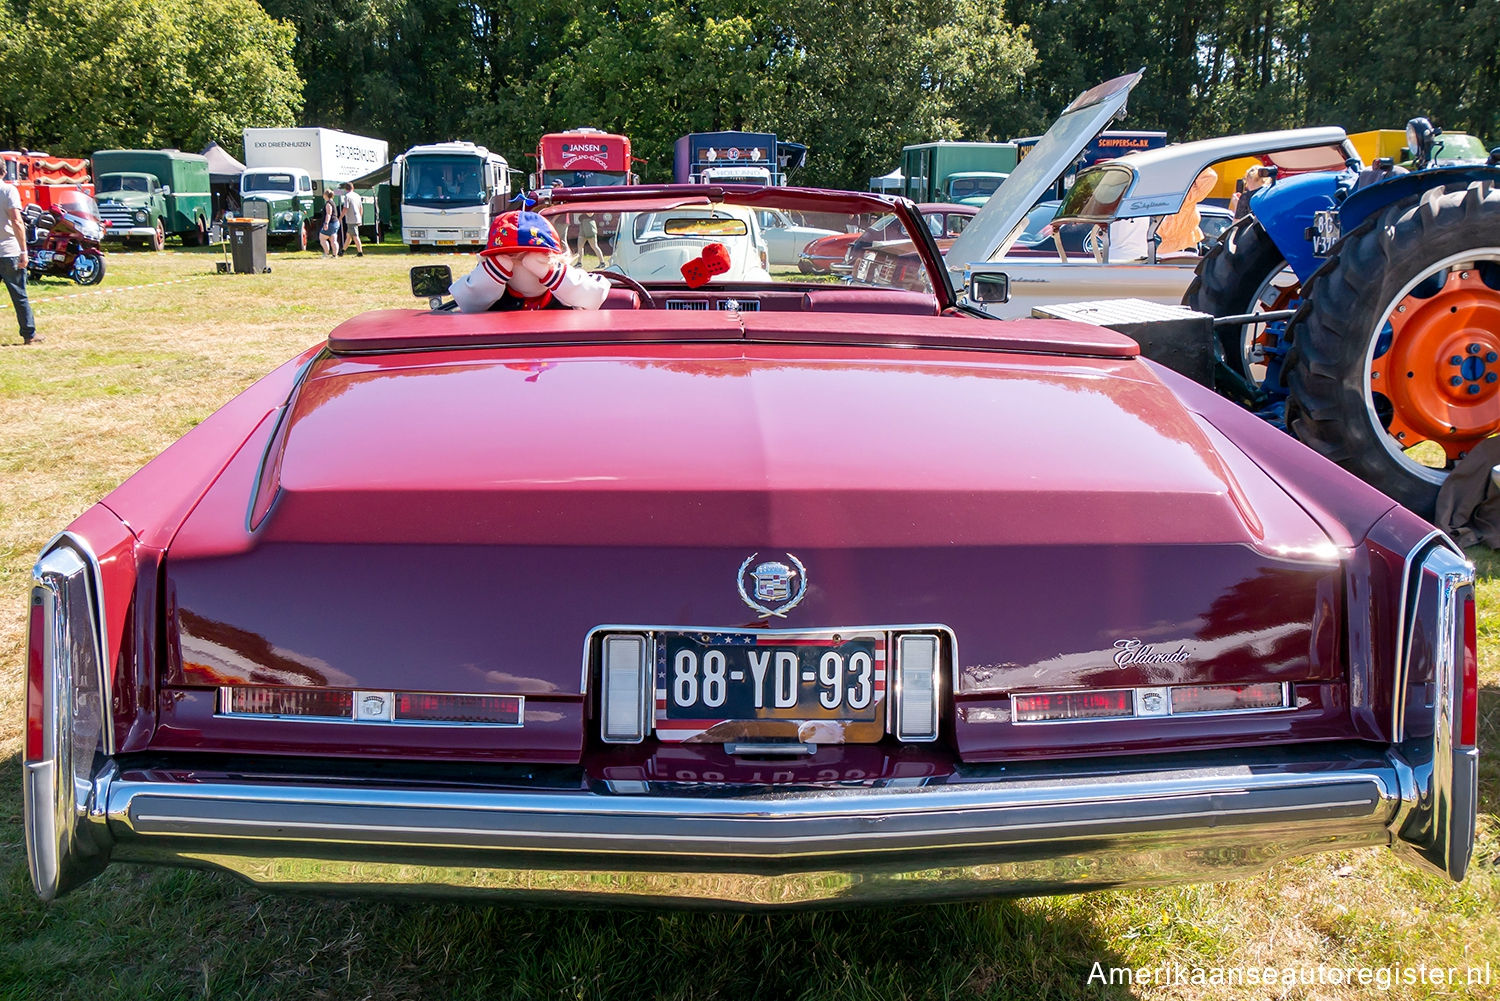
(1378, 339)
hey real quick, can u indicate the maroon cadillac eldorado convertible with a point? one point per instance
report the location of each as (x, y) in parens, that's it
(764, 592)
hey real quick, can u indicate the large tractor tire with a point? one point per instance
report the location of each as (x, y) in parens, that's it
(1394, 370)
(1243, 272)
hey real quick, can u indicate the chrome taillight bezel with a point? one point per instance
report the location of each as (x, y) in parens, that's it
(69, 703)
(1436, 824)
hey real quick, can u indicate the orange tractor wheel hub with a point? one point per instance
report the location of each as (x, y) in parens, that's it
(1442, 369)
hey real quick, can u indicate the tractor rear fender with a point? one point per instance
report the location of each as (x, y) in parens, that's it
(1367, 201)
(1285, 211)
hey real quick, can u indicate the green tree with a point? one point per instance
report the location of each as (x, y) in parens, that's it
(855, 80)
(861, 79)
(408, 71)
(93, 74)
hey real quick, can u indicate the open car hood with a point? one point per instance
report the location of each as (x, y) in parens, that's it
(991, 232)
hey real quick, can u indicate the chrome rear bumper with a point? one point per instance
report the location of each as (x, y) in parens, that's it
(979, 832)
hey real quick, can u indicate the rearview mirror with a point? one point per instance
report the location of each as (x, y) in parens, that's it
(992, 287)
(705, 227)
(431, 280)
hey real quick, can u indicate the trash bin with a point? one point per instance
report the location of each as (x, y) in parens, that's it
(247, 245)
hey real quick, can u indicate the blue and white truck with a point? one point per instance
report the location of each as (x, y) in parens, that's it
(736, 158)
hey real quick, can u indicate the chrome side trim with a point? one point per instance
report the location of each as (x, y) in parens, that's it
(1403, 641)
(719, 845)
(285, 410)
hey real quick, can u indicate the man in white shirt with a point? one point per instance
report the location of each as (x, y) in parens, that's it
(14, 258)
(352, 214)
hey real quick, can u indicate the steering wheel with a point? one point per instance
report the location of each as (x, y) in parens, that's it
(627, 282)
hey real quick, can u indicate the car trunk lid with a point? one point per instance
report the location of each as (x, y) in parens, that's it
(459, 521)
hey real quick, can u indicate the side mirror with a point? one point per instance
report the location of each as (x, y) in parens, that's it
(989, 287)
(166, 189)
(430, 282)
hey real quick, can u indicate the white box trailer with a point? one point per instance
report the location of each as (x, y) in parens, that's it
(330, 157)
(327, 154)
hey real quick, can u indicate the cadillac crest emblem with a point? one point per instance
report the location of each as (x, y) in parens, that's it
(773, 581)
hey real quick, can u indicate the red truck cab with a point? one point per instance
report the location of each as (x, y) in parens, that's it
(582, 158)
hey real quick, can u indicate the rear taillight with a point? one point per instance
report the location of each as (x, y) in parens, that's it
(36, 681)
(1227, 698)
(437, 708)
(322, 703)
(1468, 725)
(1056, 706)
(430, 708)
(65, 684)
(1133, 703)
(67, 721)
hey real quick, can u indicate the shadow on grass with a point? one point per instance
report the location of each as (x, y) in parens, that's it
(137, 932)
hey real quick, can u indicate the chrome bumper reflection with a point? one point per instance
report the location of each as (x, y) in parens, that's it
(711, 847)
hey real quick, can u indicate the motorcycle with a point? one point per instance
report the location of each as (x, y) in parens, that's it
(64, 241)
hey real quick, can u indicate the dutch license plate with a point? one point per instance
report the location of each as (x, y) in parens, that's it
(820, 688)
(1326, 232)
(447, 243)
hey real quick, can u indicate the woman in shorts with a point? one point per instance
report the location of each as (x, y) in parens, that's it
(328, 233)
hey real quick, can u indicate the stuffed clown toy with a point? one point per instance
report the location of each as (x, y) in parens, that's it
(524, 266)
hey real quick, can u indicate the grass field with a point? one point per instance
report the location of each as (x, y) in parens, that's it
(128, 367)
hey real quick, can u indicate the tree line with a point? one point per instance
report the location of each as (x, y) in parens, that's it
(854, 79)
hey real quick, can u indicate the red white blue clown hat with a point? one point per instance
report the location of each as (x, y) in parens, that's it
(521, 232)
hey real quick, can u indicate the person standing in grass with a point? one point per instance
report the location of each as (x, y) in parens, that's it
(328, 233)
(353, 212)
(14, 258)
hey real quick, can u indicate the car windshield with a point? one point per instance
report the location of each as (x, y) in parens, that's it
(268, 182)
(1096, 194)
(123, 182)
(438, 181)
(973, 187)
(655, 244)
(583, 178)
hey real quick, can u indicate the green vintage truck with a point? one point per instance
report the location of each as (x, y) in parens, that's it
(963, 172)
(147, 195)
(284, 197)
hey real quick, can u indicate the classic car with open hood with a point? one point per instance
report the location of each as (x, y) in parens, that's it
(1137, 210)
(742, 592)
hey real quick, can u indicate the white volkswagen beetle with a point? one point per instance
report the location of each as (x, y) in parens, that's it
(653, 246)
